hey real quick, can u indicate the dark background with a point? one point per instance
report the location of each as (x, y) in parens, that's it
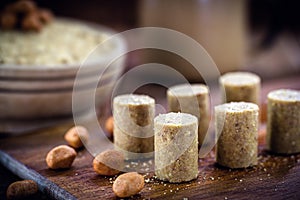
(271, 16)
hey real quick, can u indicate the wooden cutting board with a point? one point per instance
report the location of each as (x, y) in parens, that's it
(275, 177)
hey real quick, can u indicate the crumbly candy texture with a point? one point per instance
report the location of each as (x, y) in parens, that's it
(133, 124)
(61, 157)
(128, 184)
(176, 147)
(49, 46)
(124, 141)
(237, 128)
(283, 124)
(109, 163)
(192, 99)
(240, 86)
(21, 189)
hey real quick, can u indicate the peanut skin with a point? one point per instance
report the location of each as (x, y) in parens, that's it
(25, 15)
(31, 22)
(128, 184)
(74, 136)
(61, 157)
(109, 125)
(262, 136)
(21, 189)
(45, 16)
(108, 163)
(8, 20)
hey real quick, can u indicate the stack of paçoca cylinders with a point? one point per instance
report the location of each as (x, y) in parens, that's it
(192, 99)
(133, 125)
(179, 132)
(176, 137)
(237, 120)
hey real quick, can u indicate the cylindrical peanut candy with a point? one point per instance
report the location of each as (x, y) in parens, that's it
(133, 125)
(176, 147)
(283, 126)
(240, 86)
(237, 132)
(192, 99)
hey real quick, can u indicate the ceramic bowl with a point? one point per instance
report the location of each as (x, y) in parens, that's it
(35, 93)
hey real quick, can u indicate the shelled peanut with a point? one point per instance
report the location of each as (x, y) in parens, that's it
(108, 163)
(128, 184)
(61, 157)
(76, 135)
(25, 15)
(21, 189)
(109, 125)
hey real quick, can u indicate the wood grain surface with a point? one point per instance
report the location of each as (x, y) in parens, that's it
(275, 176)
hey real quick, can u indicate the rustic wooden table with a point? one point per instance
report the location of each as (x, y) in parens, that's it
(275, 177)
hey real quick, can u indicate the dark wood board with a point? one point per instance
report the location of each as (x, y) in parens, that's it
(275, 177)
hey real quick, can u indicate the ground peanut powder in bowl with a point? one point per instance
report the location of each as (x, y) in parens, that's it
(60, 42)
(39, 69)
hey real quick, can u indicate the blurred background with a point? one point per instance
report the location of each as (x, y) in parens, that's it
(261, 36)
